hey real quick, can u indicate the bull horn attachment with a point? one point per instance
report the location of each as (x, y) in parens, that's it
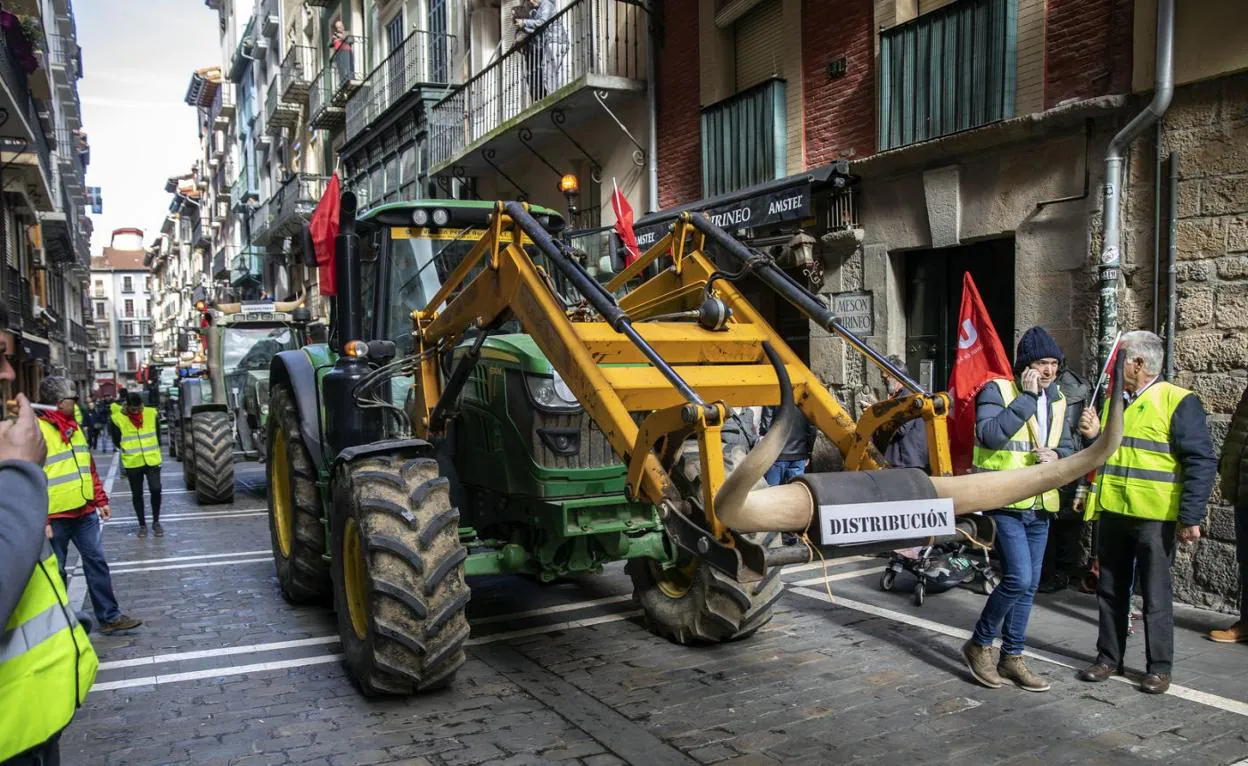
(736, 488)
(791, 507)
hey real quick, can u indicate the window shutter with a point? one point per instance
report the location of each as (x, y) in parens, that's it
(759, 44)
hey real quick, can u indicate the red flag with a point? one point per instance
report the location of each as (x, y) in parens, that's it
(980, 359)
(624, 225)
(323, 227)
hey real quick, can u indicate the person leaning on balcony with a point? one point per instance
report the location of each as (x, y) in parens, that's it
(553, 41)
(1234, 473)
(341, 45)
(1018, 424)
(47, 664)
(1156, 484)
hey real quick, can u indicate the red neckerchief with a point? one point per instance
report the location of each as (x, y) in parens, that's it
(136, 418)
(64, 423)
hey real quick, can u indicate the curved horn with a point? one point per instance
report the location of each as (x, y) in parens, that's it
(732, 495)
(997, 489)
(229, 308)
(286, 307)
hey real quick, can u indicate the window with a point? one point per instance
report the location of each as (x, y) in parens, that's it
(103, 356)
(127, 284)
(99, 286)
(949, 70)
(127, 328)
(129, 307)
(744, 140)
(132, 361)
(99, 309)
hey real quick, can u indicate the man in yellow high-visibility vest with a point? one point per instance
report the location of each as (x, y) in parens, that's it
(1017, 424)
(77, 502)
(47, 664)
(139, 440)
(1154, 487)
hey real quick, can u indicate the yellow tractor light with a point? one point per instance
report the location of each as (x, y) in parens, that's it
(568, 184)
(356, 348)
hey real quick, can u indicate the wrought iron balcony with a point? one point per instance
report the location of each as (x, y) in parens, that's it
(23, 132)
(291, 207)
(259, 219)
(424, 58)
(297, 73)
(278, 114)
(200, 234)
(243, 54)
(77, 333)
(243, 188)
(221, 263)
(591, 45)
(323, 113)
(246, 265)
(222, 109)
(347, 65)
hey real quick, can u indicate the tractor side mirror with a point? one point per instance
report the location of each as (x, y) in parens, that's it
(301, 315)
(309, 250)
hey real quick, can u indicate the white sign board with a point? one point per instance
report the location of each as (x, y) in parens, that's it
(855, 311)
(258, 308)
(898, 520)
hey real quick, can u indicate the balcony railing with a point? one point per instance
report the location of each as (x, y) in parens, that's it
(347, 64)
(243, 187)
(423, 59)
(293, 204)
(259, 221)
(278, 114)
(77, 333)
(244, 53)
(12, 73)
(297, 74)
(323, 113)
(222, 109)
(589, 37)
(221, 263)
(246, 264)
(63, 54)
(946, 71)
(200, 233)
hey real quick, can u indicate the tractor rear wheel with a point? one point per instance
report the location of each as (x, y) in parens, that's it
(214, 457)
(398, 574)
(295, 524)
(188, 455)
(692, 602)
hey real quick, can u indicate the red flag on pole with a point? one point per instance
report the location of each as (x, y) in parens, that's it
(980, 359)
(624, 225)
(323, 226)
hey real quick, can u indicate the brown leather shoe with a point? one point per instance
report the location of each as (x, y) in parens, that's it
(1096, 672)
(1232, 635)
(1155, 683)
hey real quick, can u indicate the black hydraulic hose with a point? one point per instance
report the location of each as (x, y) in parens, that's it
(801, 298)
(598, 297)
(455, 384)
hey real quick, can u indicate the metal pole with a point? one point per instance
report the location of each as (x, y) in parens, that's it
(652, 110)
(1171, 269)
(1111, 257)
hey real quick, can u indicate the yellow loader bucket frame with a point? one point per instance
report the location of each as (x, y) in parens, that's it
(686, 377)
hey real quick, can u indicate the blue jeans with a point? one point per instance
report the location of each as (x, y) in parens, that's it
(783, 471)
(1021, 539)
(85, 532)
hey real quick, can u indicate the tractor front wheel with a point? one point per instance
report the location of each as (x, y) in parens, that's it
(295, 524)
(214, 457)
(398, 574)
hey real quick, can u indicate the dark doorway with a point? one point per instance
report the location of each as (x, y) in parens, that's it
(934, 296)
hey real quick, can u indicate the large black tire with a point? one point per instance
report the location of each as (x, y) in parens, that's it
(295, 521)
(214, 457)
(396, 548)
(188, 455)
(695, 603)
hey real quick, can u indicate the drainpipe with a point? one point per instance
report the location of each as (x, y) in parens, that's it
(1172, 296)
(652, 111)
(1111, 258)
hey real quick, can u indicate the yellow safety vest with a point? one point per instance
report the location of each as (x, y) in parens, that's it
(139, 446)
(1019, 451)
(1142, 478)
(77, 414)
(47, 664)
(68, 468)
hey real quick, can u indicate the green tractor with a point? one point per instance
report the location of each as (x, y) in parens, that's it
(220, 414)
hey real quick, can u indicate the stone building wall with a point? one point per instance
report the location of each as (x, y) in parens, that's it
(1207, 126)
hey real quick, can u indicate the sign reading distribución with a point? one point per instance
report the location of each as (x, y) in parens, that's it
(856, 311)
(897, 520)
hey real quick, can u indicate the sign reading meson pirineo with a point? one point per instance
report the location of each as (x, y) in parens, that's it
(897, 520)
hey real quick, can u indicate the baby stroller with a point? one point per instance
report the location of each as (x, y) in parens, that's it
(937, 568)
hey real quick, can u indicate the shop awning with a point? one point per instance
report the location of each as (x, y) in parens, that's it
(34, 347)
(785, 199)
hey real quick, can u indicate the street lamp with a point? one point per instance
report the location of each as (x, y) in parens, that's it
(571, 191)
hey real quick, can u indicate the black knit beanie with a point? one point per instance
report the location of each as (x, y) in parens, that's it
(1035, 344)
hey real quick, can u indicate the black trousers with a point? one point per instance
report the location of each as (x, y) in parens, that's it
(47, 754)
(1241, 553)
(1128, 546)
(135, 475)
(1064, 554)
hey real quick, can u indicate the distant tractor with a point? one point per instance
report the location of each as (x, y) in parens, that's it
(220, 418)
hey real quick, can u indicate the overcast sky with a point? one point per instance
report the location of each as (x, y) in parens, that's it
(137, 58)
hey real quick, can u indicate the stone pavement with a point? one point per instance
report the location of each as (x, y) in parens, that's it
(225, 672)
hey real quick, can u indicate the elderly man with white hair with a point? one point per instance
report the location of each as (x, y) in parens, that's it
(1152, 489)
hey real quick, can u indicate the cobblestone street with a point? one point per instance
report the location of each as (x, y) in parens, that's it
(225, 672)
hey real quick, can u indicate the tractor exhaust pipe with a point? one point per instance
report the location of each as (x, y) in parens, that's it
(792, 507)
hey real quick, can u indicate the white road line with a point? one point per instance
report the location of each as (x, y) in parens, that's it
(199, 516)
(192, 565)
(222, 651)
(795, 568)
(571, 607)
(1182, 692)
(112, 473)
(833, 578)
(137, 562)
(195, 675)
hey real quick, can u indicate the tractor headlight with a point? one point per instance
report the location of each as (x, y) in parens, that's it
(550, 392)
(420, 216)
(441, 217)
